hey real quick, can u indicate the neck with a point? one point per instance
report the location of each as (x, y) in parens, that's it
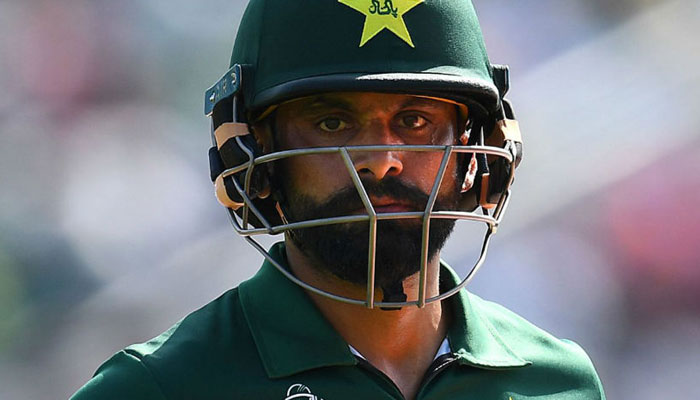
(401, 343)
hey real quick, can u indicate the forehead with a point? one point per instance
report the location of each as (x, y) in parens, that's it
(366, 101)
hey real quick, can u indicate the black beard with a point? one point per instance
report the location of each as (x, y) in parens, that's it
(342, 249)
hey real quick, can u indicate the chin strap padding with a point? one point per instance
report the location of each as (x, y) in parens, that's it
(506, 135)
(493, 173)
(216, 165)
(483, 179)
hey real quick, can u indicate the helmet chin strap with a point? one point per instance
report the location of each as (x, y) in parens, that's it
(393, 293)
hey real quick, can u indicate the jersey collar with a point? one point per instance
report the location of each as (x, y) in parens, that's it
(290, 333)
(474, 338)
(292, 336)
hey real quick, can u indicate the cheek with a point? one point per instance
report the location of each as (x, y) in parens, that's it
(316, 176)
(422, 169)
(296, 136)
(451, 182)
(306, 174)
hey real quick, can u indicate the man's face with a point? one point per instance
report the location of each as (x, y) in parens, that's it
(319, 186)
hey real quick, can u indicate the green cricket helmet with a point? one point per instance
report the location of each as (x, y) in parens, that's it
(288, 49)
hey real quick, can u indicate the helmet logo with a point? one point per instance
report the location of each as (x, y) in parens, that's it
(386, 9)
(383, 14)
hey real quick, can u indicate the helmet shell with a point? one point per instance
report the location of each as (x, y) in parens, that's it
(295, 48)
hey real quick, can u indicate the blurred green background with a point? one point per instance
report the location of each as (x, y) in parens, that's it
(109, 232)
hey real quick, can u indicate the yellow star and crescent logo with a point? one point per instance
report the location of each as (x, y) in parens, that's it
(383, 14)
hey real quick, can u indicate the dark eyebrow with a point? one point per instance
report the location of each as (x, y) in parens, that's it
(329, 102)
(420, 102)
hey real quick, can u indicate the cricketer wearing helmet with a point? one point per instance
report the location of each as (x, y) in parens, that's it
(361, 130)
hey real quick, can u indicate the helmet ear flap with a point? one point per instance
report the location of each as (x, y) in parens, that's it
(494, 174)
(238, 147)
(234, 145)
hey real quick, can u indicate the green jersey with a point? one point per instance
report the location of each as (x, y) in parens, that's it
(267, 340)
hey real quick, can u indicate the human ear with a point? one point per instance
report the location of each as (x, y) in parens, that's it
(470, 175)
(262, 130)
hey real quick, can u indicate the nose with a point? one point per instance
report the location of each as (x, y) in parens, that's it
(378, 164)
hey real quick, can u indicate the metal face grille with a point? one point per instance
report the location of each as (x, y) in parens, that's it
(492, 220)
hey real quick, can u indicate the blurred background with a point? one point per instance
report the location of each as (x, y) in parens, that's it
(109, 232)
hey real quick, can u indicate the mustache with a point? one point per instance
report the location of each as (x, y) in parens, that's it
(348, 199)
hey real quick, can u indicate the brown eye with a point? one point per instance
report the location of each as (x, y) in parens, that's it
(332, 124)
(413, 121)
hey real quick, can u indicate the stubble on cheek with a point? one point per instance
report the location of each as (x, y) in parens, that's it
(314, 176)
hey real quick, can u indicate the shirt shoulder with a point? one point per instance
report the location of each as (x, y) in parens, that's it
(558, 361)
(122, 377)
(201, 356)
